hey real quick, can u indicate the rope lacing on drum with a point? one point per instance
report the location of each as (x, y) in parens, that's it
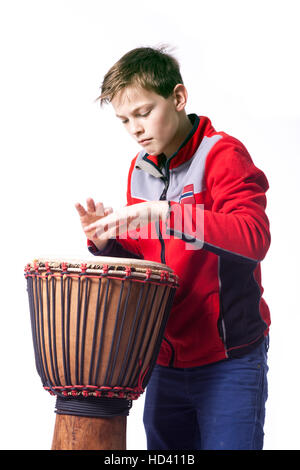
(148, 274)
(164, 276)
(27, 270)
(64, 267)
(105, 270)
(48, 270)
(127, 272)
(83, 268)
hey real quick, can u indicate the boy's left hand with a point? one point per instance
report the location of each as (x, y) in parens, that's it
(118, 222)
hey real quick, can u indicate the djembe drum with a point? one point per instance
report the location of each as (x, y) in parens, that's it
(97, 327)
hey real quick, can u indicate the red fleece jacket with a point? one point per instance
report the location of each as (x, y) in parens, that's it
(215, 237)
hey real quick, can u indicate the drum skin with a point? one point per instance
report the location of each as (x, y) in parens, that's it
(97, 329)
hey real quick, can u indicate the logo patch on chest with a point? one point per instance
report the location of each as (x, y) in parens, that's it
(187, 196)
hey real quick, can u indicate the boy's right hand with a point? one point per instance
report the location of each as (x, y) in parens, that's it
(91, 214)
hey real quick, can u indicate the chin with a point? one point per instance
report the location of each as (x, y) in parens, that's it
(153, 150)
(150, 150)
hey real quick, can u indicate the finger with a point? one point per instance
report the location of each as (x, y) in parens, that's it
(108, 210)
(92, 228)
(100, 209)
(99, 223)
(80, 209)
(111, 230)
(114, 219)
(106, 228)
(90, 205)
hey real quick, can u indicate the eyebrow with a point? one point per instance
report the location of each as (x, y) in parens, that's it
(135, 110)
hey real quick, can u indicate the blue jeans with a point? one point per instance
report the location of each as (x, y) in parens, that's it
(220, 406)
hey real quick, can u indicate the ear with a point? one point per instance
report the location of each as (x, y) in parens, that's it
(180, 97)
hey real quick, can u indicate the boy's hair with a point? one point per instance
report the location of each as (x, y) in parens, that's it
(150, 68)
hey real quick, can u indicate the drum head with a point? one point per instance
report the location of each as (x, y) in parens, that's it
(99, 264)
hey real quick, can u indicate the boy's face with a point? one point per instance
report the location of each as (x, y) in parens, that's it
(152, 120)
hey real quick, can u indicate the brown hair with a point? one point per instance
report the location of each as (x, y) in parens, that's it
(152, 68)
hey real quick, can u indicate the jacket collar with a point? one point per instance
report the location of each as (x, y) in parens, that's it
(153, 163)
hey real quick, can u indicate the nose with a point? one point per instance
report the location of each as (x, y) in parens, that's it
(136, 128)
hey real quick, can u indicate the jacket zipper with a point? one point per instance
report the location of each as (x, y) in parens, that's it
(163, 197)
(221, 321)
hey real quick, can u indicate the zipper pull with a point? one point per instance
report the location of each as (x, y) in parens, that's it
(163, 195)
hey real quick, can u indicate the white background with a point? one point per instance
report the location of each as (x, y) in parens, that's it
(240, 63)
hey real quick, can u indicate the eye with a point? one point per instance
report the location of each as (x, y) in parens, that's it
(146, 114)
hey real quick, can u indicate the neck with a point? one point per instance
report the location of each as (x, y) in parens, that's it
(184, 128)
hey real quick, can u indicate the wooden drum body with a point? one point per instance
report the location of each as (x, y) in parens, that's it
(97, 327)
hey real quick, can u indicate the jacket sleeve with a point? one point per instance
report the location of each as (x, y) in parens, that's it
(127, 247)
(116, 249)
(236, 223)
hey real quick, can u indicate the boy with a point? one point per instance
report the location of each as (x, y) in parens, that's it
(205, 199)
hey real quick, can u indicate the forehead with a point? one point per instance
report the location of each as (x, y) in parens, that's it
(133, 97)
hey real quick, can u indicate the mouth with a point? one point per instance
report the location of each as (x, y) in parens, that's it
(144, 141)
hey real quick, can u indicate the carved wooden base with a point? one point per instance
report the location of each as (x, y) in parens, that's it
(81, 433)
